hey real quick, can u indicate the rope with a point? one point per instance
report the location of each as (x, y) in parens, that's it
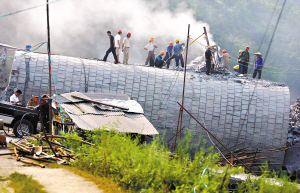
(18, 49)
(195, 39)
(19, 56)
(12, 13)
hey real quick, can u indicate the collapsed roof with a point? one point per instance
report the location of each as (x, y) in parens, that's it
(108, 111)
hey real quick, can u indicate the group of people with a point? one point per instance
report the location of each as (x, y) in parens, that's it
(161, 60)
(115, 46)
(164, 58)
(243, 61)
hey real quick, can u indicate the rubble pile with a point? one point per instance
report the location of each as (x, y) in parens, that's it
(294, 127)
(47, 150)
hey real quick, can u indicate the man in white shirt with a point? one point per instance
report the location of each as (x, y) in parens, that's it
(126, 48)
(14, 98)
(150, 47)
(117, 44)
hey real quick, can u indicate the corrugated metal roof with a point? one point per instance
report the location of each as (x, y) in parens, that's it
(94, 118)
(87, 116)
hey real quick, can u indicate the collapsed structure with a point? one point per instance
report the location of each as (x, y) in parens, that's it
(235, 110)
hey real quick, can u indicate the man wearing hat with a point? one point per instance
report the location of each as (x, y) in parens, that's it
(258, 65)
(245, 57)
(117, 44)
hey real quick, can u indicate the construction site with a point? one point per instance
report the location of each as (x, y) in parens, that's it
(245, 128)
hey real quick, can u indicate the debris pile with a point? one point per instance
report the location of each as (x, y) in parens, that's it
(26, 150)
(294, 128)
(252, 159)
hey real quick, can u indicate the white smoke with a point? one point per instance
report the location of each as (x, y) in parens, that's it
(78, 28)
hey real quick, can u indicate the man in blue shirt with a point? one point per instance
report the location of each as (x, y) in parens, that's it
(158, 62)
(169, 53)
(258, 65)
(177, 54)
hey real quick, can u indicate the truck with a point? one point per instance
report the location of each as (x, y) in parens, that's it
(20, 118)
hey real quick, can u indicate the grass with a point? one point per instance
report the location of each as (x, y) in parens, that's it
(149, 167)
(24, 184)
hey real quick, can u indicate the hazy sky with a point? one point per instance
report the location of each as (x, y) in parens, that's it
(78, 28)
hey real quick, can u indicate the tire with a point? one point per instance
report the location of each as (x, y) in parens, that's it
(25, 126)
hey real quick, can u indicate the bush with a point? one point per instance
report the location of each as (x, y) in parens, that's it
(151, 168)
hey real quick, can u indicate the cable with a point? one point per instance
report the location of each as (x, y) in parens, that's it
(265, 31)
(12, 13)
(205, 125)
(274, 31)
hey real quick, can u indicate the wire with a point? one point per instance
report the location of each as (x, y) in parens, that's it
(274, 31)
(12, 13)
(19, 56)
(204, 123)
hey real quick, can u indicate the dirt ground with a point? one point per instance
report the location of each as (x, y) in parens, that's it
(55, 180)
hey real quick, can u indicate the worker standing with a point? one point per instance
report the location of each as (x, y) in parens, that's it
(159, 60)
(126, 48)
(177, 55)
(240, 63)
(118, 43)
(225, 57)
(258, 65)
(15, 97)
(150, 47)
(111, 48)
(44, 112)
(245, 57)
(208, 59)
(169, 53)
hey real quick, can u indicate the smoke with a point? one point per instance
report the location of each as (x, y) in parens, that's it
(78, 28)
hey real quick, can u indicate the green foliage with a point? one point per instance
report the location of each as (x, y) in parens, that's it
(23, 184)
(268, 183)
(141, 167)
(150, 167)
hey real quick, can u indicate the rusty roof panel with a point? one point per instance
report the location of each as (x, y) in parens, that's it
(91, 119)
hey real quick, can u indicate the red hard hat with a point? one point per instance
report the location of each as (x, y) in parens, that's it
(120, 31)
(247, 48)
(129, 34)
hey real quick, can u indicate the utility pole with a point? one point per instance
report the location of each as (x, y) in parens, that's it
(179, 123)
(49, 101)
(49, 63)
(207, 41)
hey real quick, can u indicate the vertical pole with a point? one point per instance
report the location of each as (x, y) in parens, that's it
(206, 37)
(179, 123)
(49, 63)
(49, 101)
(183, 89)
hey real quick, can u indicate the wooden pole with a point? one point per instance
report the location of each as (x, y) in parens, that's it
(206, 37)
(49, 64)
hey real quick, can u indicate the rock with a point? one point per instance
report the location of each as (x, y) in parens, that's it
(290, 135)
(291, 161)
(291, 129)
(289, 142)
(296, 140)
(296, 131)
